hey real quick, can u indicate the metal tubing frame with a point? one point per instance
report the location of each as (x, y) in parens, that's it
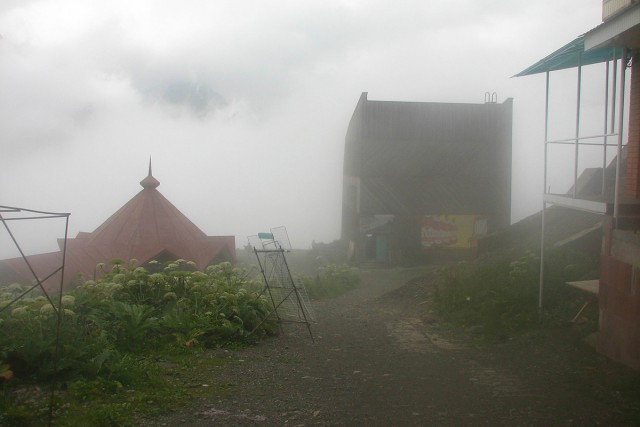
(300, 304)
(571, 141)
(577, 139)
(606, 131)
(623, 72)
(59, 312)
(614, 91)
(611, 80)
(544, 190)
(576, 142)
(59, 324)
(43, 215)
(267, 287)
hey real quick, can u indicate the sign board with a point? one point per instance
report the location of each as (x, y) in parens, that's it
(452, 231)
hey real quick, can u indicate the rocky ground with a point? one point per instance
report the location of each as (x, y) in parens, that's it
(381, 357)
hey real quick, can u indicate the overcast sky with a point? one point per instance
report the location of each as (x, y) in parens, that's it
(244, 105)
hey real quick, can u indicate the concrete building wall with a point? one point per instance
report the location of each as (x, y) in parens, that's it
(619, 298)
(619, 294)
(407, 160)
(633, 148)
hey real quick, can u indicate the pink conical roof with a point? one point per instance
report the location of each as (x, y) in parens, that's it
(146, 227)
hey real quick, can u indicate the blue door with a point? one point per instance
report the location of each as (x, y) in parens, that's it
(381, 248)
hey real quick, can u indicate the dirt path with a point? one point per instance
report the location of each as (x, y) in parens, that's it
(379, 358)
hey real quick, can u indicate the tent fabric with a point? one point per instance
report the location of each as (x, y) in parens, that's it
(571, 55)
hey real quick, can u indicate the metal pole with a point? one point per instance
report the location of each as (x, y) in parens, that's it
(544, 191)
(614, 90)
(577, 145)
(60, 319)
(266, 282)
(26, 261)
(303, 308)
(623, 71)
(606, 130)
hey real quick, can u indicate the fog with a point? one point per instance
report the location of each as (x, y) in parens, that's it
(243, 106)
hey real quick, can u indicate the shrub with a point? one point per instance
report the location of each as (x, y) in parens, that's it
(331, 281)
(111, 332)
(131, 310)
(500, 297)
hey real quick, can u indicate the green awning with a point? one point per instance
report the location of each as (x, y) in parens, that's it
(570, 56)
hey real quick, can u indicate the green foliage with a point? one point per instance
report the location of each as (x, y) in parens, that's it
(130, 324)
(500, 297)
(110, 326)
(331, 281)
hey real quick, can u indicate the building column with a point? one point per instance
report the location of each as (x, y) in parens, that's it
(633, 148)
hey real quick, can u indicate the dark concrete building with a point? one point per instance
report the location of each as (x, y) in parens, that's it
(424, 177)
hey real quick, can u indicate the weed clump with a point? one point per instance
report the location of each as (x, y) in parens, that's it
(499, 297)
(331, 281)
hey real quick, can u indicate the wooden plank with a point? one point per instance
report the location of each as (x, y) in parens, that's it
(580, 204)
(590, 286)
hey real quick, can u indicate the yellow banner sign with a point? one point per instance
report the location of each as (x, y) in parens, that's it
(452, 231)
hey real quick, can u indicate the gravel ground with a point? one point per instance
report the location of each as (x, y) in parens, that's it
(380, 357)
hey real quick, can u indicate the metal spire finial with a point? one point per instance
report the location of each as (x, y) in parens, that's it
(149, 181)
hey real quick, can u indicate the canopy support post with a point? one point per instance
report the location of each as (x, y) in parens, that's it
(544, 190)
(623, 71)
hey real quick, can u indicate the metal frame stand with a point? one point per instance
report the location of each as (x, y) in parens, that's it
(289, 299)
(29, 214)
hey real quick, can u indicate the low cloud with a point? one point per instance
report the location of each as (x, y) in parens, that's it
(253, 97)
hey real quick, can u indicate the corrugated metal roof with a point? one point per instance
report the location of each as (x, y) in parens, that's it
(571, 55)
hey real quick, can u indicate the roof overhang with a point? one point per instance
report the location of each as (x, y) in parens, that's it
(571, 55)
(603, 43)
(619, 31)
